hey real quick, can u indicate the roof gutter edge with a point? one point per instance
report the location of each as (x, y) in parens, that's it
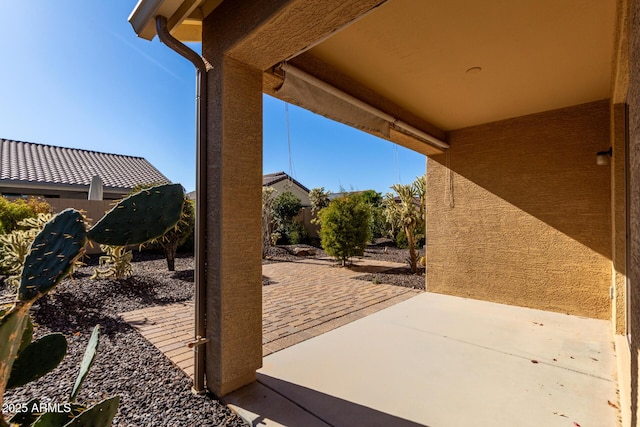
(143, 16)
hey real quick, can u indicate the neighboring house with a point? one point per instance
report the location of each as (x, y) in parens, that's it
(29, 169)
(282, 182)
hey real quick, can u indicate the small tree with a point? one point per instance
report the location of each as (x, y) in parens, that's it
(408, 213)
(267, 218)
(372, 197)
(319, 199)
(285, 207)
(344, 230)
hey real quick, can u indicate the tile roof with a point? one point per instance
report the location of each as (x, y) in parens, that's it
(28, 162)
(272, 178)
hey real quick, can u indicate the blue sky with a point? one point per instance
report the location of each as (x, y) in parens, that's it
(74, 74)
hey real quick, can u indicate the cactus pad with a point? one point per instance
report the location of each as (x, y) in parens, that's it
(140, 217)
(99, 415)
(28, 417)
(12, 327)
(27, 335)
(37, 359)
(53, 419)
(52, 254)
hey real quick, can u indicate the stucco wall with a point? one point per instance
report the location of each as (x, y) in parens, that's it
(618, 218)
(94, 210)
(524, 217)
(633, 100)
(286, 185)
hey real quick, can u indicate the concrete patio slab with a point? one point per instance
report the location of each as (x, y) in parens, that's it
(438, 360)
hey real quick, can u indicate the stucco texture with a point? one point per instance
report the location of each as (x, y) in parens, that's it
(523, 215)
(633, 100)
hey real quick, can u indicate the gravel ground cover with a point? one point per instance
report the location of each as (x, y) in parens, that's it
(153, 391)
(398, 276)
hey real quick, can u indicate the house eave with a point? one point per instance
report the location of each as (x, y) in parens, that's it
(44, 186)
(142, 17)
(184, 17)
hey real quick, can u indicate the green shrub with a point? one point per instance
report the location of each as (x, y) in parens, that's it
(12, 212)
(379, 225)
(401, 240)
(345, 230)
(298, 234)
(285, 208)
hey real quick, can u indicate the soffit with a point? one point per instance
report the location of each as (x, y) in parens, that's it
(535, 56)
(184, 17)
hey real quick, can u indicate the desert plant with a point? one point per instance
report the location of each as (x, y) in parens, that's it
(268, 196)
(319, 199)
(176, 236)
(377, 220)
(298, 234)
(115, 264)
(13, 249)
(372, 197)
(344, 230)
(12, 212)
(51, 257)
(408, 213)
(275, 237)
(379, 225)
(15, 245)
(285, 207)
(39, 205)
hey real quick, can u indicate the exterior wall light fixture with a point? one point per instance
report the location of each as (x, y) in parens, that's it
(602, 157)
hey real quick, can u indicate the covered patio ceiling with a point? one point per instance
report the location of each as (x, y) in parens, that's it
(447, 65)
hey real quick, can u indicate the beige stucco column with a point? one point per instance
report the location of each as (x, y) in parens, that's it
(240, 40)
(234, 270)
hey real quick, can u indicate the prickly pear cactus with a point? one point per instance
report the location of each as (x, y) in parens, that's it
(100, 414)
(12, 327)
(52, 254)
(140, 217)
(37, 358)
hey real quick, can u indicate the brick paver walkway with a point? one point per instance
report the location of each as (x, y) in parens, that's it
(304, 299)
